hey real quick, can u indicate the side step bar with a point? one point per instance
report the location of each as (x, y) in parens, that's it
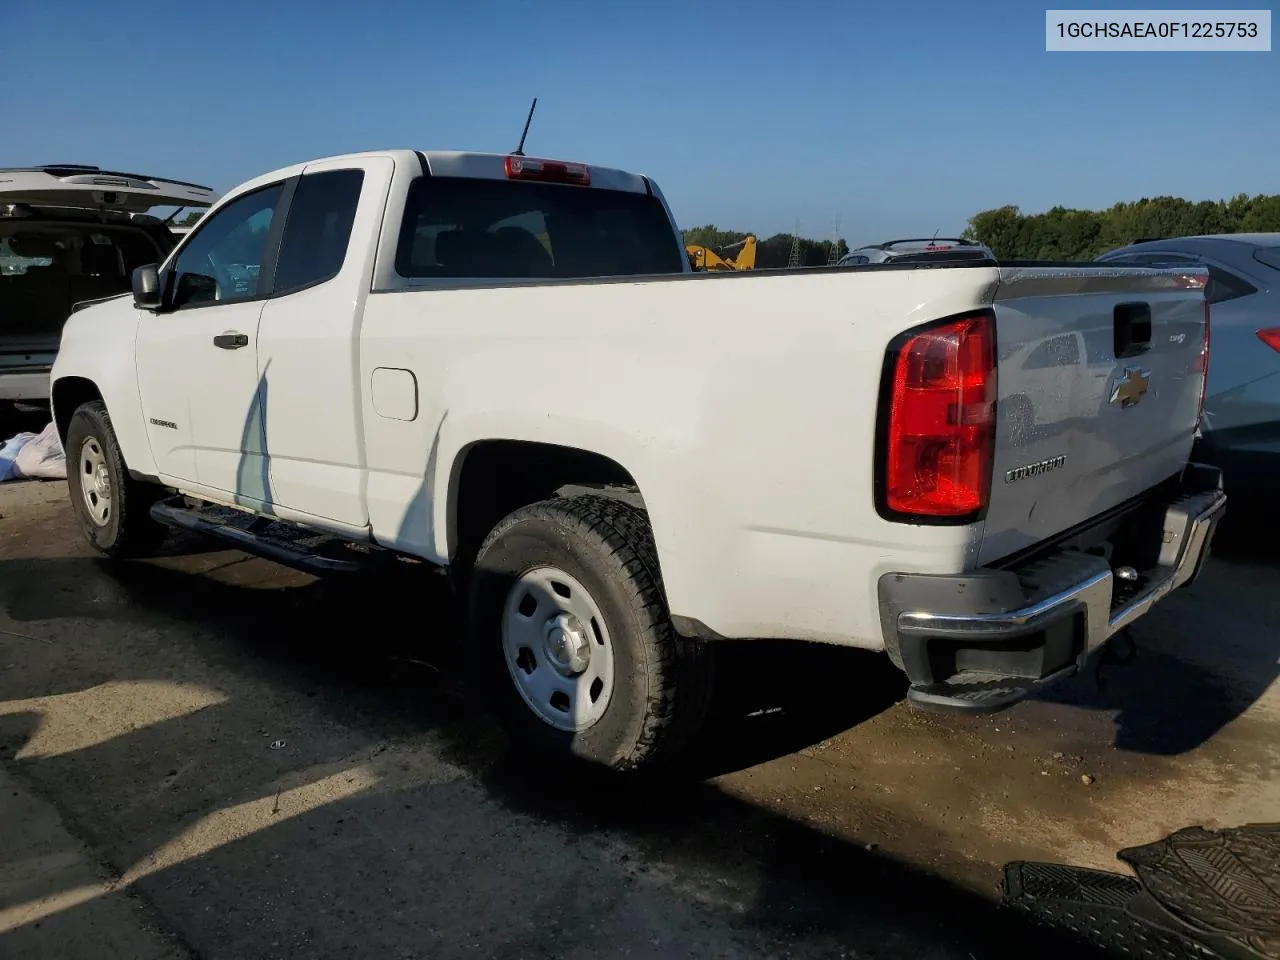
(252, 536)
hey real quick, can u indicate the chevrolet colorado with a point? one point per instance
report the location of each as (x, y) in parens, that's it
(504, 366)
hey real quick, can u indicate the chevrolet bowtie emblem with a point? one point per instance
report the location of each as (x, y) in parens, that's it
(1130, 387)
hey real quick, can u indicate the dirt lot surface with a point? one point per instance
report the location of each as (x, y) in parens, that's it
(207, 755)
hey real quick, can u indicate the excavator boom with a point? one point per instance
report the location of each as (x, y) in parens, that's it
(704, 258)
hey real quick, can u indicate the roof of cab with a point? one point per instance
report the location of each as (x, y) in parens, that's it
(456, 163)
(492, 166)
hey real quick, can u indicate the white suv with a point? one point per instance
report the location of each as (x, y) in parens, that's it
(71, 234)
(916, 251)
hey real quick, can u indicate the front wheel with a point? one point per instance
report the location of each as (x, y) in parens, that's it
(577, 644)
(114, 509)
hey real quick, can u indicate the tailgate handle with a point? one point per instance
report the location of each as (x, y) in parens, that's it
(1132, 329)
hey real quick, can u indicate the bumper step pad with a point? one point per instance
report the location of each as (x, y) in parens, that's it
(973, 692)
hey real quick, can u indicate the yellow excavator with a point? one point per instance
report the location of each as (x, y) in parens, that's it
(704, 258)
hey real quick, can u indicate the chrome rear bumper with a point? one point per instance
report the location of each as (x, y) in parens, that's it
(985, 640)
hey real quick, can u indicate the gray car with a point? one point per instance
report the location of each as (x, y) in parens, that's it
(1241, 429)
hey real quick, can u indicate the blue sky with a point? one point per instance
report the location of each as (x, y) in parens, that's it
(899, 117)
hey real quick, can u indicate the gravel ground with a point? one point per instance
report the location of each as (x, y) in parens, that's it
(206, 755)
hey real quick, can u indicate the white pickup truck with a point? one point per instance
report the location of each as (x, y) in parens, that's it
(504, 366)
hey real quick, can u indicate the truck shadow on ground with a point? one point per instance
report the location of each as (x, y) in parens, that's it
(772, 698)
(485, 852)
(1248, 532)
(1204, 656)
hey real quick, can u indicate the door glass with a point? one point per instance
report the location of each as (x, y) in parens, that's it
(318, 229)
(223, 260)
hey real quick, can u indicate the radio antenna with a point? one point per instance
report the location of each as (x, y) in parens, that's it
(527, 120)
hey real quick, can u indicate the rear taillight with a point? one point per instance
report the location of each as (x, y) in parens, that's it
(939, 434)
(1202, 363)
(1271, 337)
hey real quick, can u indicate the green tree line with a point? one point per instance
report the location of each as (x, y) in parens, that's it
(775, 251)
(1063, 234)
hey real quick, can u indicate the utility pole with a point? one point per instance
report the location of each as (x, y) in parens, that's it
(834, 253)
(793, 261)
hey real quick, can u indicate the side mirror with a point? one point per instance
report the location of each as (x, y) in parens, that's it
(194, 288)
(146, 287)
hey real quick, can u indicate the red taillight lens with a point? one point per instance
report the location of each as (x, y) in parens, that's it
(548, 171)
(940, 439)
(1271, 337)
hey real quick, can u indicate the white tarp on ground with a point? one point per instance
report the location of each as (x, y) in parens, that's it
(33, 456)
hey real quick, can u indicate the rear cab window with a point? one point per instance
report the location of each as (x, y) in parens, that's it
(933, 256)
(456, 227)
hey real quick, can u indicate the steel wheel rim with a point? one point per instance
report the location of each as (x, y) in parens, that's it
(557, 649)
(95, 481)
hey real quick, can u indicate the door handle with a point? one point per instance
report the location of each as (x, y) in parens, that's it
(231, 341)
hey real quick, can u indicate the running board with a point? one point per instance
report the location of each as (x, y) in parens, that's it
(275, 540)
(974, 692)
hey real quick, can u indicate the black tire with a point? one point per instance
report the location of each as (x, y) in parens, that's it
(128, 530)
(662, 681)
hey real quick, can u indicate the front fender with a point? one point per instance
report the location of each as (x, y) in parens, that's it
(98, 348)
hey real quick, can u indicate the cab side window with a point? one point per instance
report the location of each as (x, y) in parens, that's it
(222, 262)
(317, 229)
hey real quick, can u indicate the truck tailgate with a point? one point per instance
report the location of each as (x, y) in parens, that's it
(1099, 377)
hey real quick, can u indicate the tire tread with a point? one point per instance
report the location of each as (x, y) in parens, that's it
(136, 533)
(677, 678)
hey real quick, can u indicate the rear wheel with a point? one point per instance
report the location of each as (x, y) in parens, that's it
(577, 645)
(114, 509)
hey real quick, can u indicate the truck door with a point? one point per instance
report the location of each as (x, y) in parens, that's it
(307, 346)
(197, 356)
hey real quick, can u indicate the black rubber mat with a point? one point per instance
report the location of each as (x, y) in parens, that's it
(1198, 893)
(1095, 907)
(1224, 882)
